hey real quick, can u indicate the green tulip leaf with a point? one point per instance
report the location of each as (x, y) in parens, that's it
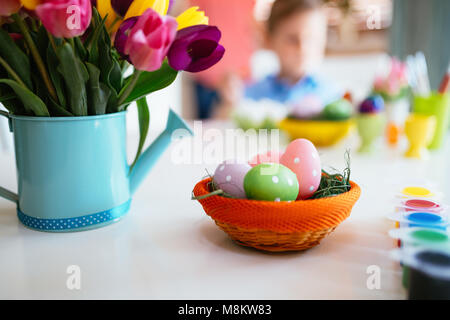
(16, 58)
(55, 76)
(75, 76)
(30, 101)
(56, 110)
(98, 93)
(149, 82)
(144, 124)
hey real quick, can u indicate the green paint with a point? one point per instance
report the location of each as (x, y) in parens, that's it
(429, 235)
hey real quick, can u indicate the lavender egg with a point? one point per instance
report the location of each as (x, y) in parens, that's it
(229, 176)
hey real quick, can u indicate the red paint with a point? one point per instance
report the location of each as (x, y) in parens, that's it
(421, 205)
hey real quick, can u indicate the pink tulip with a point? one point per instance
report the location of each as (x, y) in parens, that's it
(150, 39)
(8, 7)
(65, 18)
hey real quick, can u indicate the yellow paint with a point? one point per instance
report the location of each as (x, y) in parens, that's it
(417, 192)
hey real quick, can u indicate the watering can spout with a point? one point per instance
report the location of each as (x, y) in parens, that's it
(150, 156)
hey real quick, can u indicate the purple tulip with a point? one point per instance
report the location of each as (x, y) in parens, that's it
(122, 36)
(121, 6)
(196, 48)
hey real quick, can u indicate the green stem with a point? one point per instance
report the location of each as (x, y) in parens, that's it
(72, 43)
(34, 25)
(217, 192)
(111, 27)
(37, 58)
(52, 41)
(12, 72)
(129, 88)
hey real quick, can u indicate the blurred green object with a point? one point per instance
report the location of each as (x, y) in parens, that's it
(247, 123)
(370, 127)
(338, 110)
(437, 105)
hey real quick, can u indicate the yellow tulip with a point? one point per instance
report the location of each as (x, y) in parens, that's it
(30, 4)
(138, 7)
(104, 8)
(191, 17)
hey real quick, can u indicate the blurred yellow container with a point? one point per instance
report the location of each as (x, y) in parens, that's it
(320, 133)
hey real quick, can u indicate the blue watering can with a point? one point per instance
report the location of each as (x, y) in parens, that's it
(72, 172)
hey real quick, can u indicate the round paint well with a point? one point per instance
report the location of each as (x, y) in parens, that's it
(429, 278)
(416, 191)
(434, 258)
(421, 204)
(424, 217)
(429, 235)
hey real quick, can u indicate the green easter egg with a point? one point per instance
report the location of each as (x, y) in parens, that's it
(338, 110)
(271, 182)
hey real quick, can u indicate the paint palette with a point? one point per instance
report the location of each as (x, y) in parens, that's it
(421, 224)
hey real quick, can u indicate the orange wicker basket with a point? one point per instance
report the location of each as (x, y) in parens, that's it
(278, 226)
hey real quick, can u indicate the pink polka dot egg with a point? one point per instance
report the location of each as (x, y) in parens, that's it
(229, 176)
(302, 158)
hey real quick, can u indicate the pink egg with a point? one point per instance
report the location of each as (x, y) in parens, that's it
(229, 176)
(268, 157)
(302, 158)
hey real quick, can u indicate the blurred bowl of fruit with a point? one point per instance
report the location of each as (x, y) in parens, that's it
(329, 126)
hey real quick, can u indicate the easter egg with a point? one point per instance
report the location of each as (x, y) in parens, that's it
(309, 107)
(372, 104)
(229, 176)
(338, 110)
(268, 157)
(271, 182)
(302, 158)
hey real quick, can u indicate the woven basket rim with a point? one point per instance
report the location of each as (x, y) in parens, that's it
(354, 188)
(296, 216)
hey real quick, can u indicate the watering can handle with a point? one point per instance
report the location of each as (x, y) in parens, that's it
(4, 192)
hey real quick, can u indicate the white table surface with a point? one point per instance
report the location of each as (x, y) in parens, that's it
(167, 248)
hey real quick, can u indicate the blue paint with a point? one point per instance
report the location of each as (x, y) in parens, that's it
(425, 219)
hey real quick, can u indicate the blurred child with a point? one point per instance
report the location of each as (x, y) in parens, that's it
(296, 32)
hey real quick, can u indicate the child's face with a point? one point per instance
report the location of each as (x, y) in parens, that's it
(299, 42)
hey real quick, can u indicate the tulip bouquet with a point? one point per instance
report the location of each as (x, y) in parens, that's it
(84, 57)
(70, 57)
